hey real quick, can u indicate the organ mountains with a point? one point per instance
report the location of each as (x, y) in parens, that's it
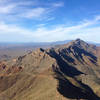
(65, 72)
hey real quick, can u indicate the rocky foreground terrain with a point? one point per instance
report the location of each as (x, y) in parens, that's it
(66, 72)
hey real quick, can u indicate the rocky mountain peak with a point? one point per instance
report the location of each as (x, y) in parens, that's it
(79, 42)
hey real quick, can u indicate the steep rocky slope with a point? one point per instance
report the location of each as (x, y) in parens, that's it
(67, 72)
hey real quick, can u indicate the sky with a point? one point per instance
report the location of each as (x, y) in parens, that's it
(49, 20)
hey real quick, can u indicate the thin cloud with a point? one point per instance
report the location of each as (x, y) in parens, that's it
(58, 4)
(27, 9)
(6, 9)
(83, 30)
(34, 13)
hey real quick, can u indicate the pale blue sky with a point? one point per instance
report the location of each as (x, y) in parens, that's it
(49, 20)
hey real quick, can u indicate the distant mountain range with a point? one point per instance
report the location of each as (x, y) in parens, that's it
(12, 50)
(41, 43)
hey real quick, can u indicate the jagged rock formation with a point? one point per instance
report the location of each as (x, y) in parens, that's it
(67, 72)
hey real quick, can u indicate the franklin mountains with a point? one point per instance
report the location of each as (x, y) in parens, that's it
(65, 72)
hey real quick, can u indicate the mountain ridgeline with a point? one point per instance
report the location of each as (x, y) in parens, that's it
(65, 72)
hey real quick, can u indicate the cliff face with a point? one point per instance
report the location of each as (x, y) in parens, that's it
(67, 72)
